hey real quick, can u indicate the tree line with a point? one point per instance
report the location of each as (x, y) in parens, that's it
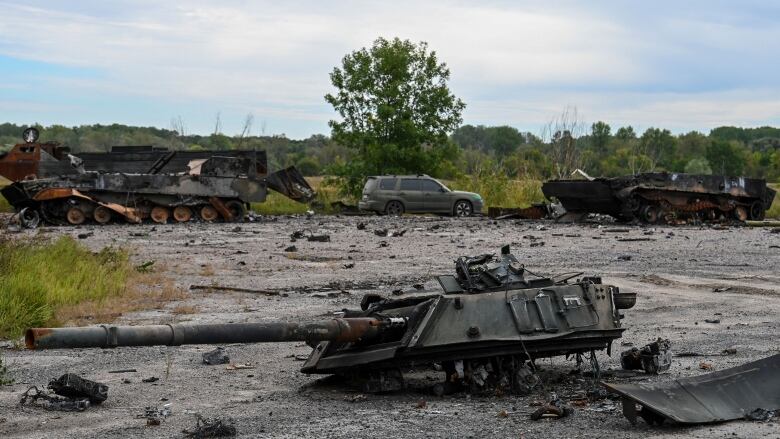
(599, 150)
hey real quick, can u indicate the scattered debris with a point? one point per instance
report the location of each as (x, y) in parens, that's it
(85, 235)
(705, 366)
(349, 265)
(239, 366)
(291, 249)
(236, 289)
(714, 321)
(155, 416)
(122, 371)
(318, 238)
(217, 356)
(389, 233)
(74, 393)
(207, 428)
(652, 358)
(555, 409)
(760, 414)
(635, 239)
(714, 397)
(150, 380)
(355, 398)
(361, 226)
(145, 267)
(624, 257)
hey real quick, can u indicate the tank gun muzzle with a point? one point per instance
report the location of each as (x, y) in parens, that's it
(104, 336)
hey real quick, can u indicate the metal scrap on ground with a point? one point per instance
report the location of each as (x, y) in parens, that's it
(725, 395)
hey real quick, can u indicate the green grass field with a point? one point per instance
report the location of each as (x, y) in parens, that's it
(38, 277)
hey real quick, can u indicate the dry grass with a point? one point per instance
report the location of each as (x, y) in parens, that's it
(185, 309)
(207, 270)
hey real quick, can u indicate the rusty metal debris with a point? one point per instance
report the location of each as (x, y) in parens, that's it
(652, 358)
(207, 428)
(155, 416)
(555, 409)
(724, 395)
(491, 321)
(664, 197)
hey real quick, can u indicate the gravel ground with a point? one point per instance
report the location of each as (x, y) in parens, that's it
(676, 273)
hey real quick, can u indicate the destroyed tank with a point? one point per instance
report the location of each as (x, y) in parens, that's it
(664, 197)
(486, 327)
(217, 188)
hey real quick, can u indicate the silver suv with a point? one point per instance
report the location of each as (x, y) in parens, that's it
(396, 194)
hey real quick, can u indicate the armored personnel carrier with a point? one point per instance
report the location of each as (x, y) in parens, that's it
(664, 197)
(217, 188)
(486, 327)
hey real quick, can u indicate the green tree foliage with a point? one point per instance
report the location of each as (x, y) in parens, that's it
(599, 135)
(725, 157)
(699, 166)
(396, 111)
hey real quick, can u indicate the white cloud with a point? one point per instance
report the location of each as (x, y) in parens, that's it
(275, 57)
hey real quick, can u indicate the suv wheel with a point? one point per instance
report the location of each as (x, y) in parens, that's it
(463, 208)
(394, 208)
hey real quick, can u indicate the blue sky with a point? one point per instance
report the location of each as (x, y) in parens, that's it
(681, 65)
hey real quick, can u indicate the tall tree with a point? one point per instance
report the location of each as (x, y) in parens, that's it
(599, 135)
(396, 111)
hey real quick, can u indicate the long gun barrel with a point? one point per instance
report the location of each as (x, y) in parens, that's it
(341, 329)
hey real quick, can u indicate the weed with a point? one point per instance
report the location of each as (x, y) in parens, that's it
(774, 210)
(4, 206)
(4, 378)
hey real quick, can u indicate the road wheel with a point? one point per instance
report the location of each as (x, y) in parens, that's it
(160, 214)
(208, 213)
(102, 214)
(740, 213)
(649, 214)
(463, 208)
(75, 216)
(236, 209)
(394, 208)
(182, 214)
(757, 211)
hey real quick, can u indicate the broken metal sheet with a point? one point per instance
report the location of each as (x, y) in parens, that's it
(715, 397)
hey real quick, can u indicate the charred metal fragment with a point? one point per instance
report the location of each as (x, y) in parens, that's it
(653, 358)
(724, 395)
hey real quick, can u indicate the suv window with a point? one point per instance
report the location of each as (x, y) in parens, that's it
(387, 184)
(430, 186)
(410, 184)
(370, 185)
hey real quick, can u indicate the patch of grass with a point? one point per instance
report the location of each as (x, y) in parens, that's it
(4, 206)
(499, 191)
(774, 210)
(39, 277)
(278, 204)
(4, 378)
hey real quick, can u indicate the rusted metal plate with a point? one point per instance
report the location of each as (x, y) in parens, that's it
(715, 397)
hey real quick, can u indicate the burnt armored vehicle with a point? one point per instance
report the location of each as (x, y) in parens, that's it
(667, 197)
(217, 188)
(487, 326)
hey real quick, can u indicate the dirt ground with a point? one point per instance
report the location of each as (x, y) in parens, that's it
(683, 275)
